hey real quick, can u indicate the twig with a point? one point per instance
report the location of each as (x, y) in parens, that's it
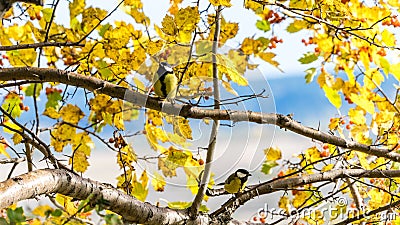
(39, 45)
(12, 160)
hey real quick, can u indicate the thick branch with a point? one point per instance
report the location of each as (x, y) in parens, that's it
(49, 181)
(187, 111)
(278, 185)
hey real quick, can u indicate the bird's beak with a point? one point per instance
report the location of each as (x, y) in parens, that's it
(249, 175)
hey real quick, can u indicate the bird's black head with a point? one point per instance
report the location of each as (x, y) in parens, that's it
(164, 69)
(242, 174)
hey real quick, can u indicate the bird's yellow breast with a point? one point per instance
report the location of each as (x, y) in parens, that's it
(234, 186)
(166, 86)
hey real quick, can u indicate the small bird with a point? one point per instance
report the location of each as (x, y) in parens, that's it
(166, 84)
(5, 5)
(237, 181)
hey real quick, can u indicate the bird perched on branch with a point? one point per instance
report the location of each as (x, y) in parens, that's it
(237, 181)
(5, 5)
(166, 83)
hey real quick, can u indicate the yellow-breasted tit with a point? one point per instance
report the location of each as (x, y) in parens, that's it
(166, 83)
(237, 181)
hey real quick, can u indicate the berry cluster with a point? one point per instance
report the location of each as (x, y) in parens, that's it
(273, 41)
(51, 90)
(119, 141)
(392, 22)
(165, 54)
(1, 60)
(273, 17)
(37, 16)
(309, 42)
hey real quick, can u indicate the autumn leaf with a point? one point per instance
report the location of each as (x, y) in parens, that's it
(158, 182)
(308, 58)
(226, 3)
(333, 96)
(71, 114)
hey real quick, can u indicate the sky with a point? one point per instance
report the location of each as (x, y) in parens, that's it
(242, 145)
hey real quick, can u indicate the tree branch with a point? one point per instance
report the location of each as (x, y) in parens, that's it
(278, 185)
(49, 181)
(194, 209)
(187, 111)
(39, 45)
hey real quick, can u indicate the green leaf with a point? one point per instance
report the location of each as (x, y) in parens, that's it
(57, 213)
(31, 87)
(263, 25)
(16, 216)
(333, 96)
(3, 221)
(103, 29)
(53, 100)
(104, 71)
(47, 13)
(296, 26)
(112, 219)
(385, 65)
(268, 165)
(308, 58)
(310, 74)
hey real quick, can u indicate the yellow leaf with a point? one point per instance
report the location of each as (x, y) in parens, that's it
(139, 16)
(357, 116)
(153, 47)
(388, 38)
(251, 46)
(273, 154)
(228, 31)
(226, 3)
(229, 88)
(158, 182)
(71, 114)
(182, 128)
(328, 167)
(334, 123)
(17, 138)
(3, 146)
(395, 70)
(187, 18)
(363, 102)
(41, 210)
(79, 161)
(76, 7)
(10, 124)
(66, 202)
(365, 59)
(127, 157)
(169, 26)
(268, 57)
(135, 3)
(284, 203)
(51, 112)
(333, 96)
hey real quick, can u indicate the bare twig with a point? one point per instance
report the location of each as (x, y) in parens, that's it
(12, 160)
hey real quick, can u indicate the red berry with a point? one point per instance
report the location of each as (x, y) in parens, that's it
(111, 140)
(201, 162)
